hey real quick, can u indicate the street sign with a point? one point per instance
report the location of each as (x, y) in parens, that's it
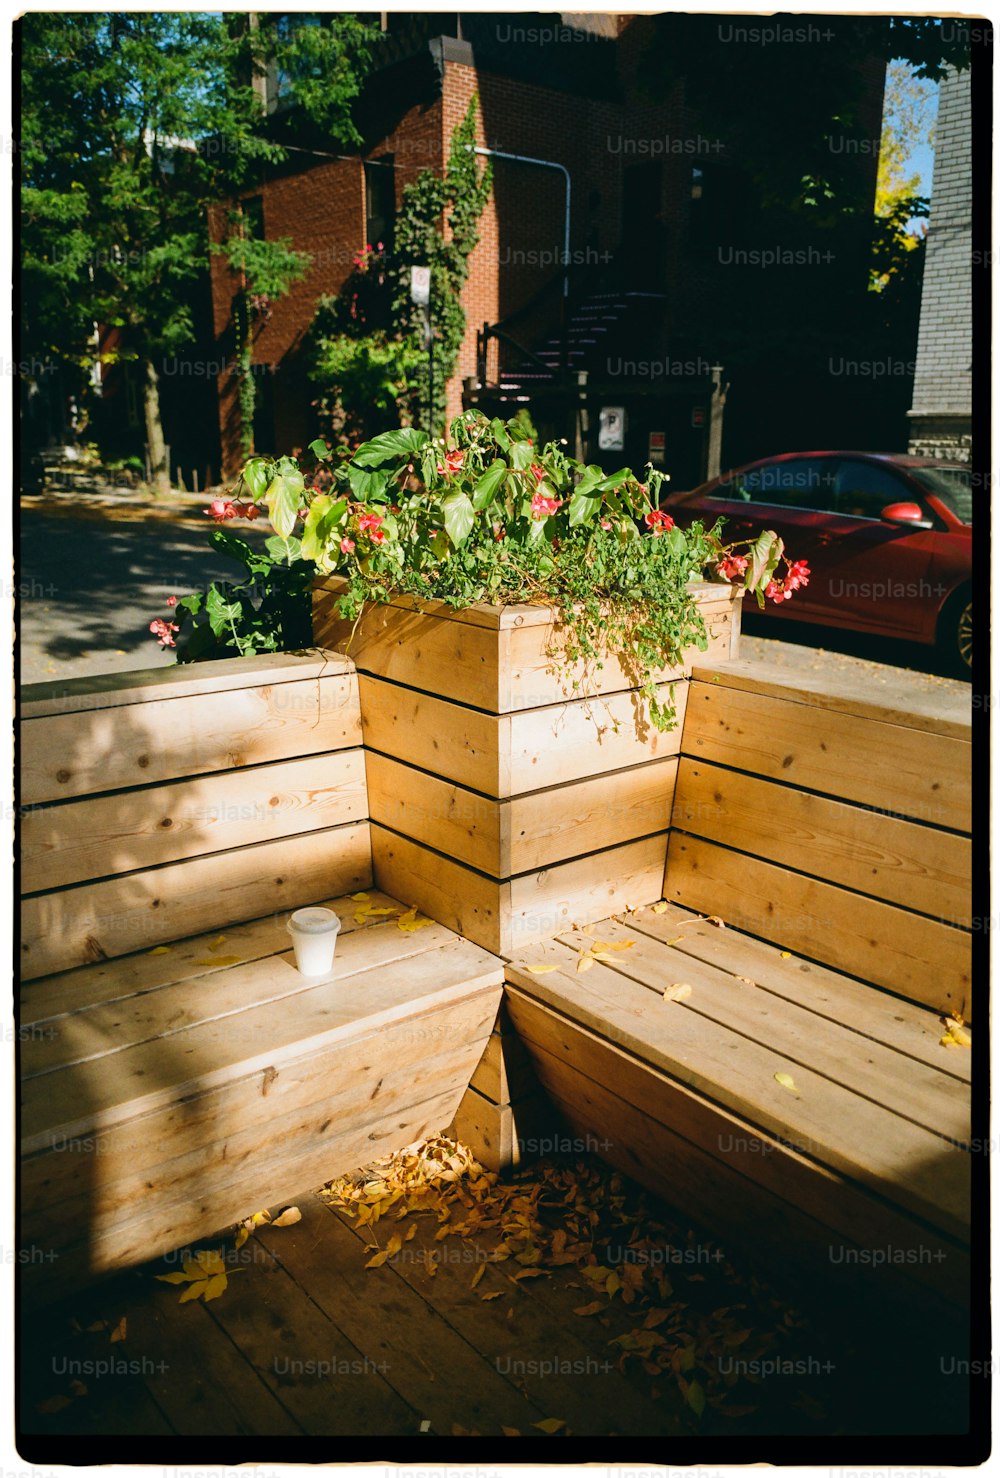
(657, 447)
(420, 285)
(611, 436)
(698, 416)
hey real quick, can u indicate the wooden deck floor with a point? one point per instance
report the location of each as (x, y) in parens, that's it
(306, 1341)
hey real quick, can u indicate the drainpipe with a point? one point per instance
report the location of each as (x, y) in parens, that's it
(545, 164)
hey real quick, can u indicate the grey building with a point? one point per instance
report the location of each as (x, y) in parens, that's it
(941, 415)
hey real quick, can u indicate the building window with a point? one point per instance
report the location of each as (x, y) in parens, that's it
(380, 201)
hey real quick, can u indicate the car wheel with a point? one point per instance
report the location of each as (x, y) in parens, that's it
(955, 634)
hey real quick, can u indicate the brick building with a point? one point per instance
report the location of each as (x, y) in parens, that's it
(941, 415)
(662, 280)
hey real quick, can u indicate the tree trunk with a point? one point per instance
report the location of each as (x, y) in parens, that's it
(159, 470)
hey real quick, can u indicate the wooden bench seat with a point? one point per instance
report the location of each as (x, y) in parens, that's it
(165, 1095)
(864, 1147)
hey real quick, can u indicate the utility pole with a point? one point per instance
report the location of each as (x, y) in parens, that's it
(713, 464)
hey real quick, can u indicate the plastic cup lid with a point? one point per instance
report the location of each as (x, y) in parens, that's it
(314, 921)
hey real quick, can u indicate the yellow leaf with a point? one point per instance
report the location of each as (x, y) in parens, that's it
(619, 944)
(714, 919)
(393, 1245)
(219, 939)
(489, 1297)
(478, 1275)
(378, 913)
(288, 1218)
(613, 1284)
(220, 960)
(118, 1334)
(530, 1273)
(678, 992)
(585, 1310)
(409, 915)
(599, 954)
(785, 954)
(259, 1218)
(209, 1262)
(194, 1290)
(540, 969)
(411, 1233)
(172, 1278)
(54, 1404)
(585, 962)
(377, 1260)
(511, 1431)
(241, 1237)
(78, 1388)
(660, 907)
(359, 897)
(97, 1327)
(955, 1036)
(550, 1425)
(417, 924)
(216, 1287)
(161, 949)
(786, 1081)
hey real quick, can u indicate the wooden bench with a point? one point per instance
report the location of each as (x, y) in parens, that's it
(797, 1097)
(177, 1071)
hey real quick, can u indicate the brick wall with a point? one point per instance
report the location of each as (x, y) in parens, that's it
(942, 396)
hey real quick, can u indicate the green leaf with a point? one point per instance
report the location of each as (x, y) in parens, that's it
(285, 551)
(489, 485)
(324, 517)
(367, 487)
(285, 495)
(582, 508)
(459, 516)
(696, 1397)
(500, 434)
(592, 476)
(403, 443)
(221, 612)
(320, 450)
(522, 455)
(257, 474)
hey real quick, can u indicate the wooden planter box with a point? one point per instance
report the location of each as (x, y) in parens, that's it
(507, 799)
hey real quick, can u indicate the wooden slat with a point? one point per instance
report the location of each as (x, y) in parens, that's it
(114, 980)
(920, 958)
(909, 1029)
(161, 1228)
(901, 1161)
(528, 832)
(547, 902)
(75, 754)
(112, 1159)
(157, 1015)
(743, 1184)
(468, 902)
(120, 689)
(91, 1095)
(932, 1099)
(103, 835)
(458, 744)
(350, 1089)
(573, 741)
(569, 820)
(941, 710)
(143, 909)
(904, 771)
(918, 867)
(455, 820)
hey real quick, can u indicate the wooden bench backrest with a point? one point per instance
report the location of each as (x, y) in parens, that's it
(832, 824)
(160, 803)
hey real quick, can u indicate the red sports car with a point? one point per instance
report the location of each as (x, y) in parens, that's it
(888, 539)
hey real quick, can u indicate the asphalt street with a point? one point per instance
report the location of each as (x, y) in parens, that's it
(93, 575)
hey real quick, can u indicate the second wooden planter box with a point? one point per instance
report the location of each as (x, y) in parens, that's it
(508, 799)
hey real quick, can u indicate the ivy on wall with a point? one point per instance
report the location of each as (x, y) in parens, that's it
(370, 366)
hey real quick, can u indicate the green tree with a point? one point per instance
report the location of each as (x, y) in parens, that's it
(132, 124)
(907, 124)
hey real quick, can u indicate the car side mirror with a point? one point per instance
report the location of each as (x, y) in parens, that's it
(905, 515)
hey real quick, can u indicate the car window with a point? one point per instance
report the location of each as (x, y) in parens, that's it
(802, 482)
(953, 485)
(863, 489)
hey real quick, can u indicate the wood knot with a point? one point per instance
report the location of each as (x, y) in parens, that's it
(143, 761)
(270, 1073)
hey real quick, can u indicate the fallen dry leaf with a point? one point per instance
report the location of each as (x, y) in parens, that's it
(585, 1310)
(359, 897)
(161, 949)
(54, 1404)
(785, 954)
(540, 969)
(660, 907)
(714, 919)
(550, 1425)
(220, 960)
(288, 1218)
(489, 1297)
(786, 1081)
(678, 992)
(585, 962)
(120, 1331)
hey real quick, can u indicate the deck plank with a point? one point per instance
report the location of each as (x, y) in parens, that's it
(864, 1066)
(390, 1321)
(860, 1139)
(906, 1027)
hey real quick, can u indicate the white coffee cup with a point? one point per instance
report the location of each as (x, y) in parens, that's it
(314, 934)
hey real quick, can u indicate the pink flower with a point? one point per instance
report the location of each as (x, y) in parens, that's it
(658, 521)
(538, 471)
(499, 532)
(164, 630)
(733, 567)
(347, 546)
(220, 508)
(606, 523)
(452, 463)
(542, 507)
(251, 511)
(371, 524)
(171, 600)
